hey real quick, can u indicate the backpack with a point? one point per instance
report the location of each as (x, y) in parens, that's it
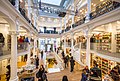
(44, 76)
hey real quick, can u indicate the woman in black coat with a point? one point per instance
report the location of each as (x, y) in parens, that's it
(40, 73)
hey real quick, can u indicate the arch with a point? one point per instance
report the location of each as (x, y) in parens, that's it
(10, 21)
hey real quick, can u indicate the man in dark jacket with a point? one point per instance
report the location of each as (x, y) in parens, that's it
(72, 63)
(95, 73)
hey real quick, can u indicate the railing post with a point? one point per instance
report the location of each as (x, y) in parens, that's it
(17, 5)
(29, 9)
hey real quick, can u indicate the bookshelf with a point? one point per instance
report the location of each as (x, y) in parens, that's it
(118, 42)
(106, 41)
(104, 64)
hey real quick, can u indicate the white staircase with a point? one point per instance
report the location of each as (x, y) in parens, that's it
(57, 67)
(59, 61)
(77, 54)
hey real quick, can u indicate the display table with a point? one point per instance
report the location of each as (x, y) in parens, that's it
(29, 68)
(95, 78)
(28, 71)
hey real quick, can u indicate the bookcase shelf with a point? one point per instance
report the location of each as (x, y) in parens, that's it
(118, 42)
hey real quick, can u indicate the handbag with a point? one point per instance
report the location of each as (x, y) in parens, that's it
(37, 75)
(44, 76)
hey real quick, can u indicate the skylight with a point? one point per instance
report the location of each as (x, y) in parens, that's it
(53, 2)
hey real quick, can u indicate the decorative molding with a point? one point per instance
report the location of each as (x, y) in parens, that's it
(14, 32)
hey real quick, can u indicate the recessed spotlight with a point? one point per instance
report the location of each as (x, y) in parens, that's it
(101, 0)
(118, 22)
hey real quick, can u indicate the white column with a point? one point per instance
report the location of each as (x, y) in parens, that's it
(17, 5)
(88, 11)
(29, 9)
(72, 44)
(13, 63)
(28, 56)
(88, 51)
(87, 35)
(65, 46)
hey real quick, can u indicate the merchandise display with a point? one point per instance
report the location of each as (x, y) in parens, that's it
(104, 64)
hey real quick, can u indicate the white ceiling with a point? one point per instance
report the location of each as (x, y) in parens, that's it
(49, 22)
(53, 2)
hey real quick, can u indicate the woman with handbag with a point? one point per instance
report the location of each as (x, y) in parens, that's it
(40, 73)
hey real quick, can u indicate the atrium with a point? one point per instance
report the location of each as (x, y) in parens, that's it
(59, 40)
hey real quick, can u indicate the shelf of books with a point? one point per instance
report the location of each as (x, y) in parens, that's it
(104, 64)
(106, 41)
(118, 42)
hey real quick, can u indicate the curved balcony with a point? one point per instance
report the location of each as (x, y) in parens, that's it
(23, 13)
(102, 8)
(5, 49)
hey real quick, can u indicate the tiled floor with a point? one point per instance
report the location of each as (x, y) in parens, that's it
(72, 76)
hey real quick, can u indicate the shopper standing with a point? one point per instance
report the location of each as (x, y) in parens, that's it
(63, 55)
(8, 73)
(72, 63)
(37, 62)
(87, 71)
(65, 61)
(41, 54)
(84, 77)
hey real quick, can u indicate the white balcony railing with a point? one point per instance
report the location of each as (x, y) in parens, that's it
(5, 49)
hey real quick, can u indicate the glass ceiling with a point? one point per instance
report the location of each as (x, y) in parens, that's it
(53, 2)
